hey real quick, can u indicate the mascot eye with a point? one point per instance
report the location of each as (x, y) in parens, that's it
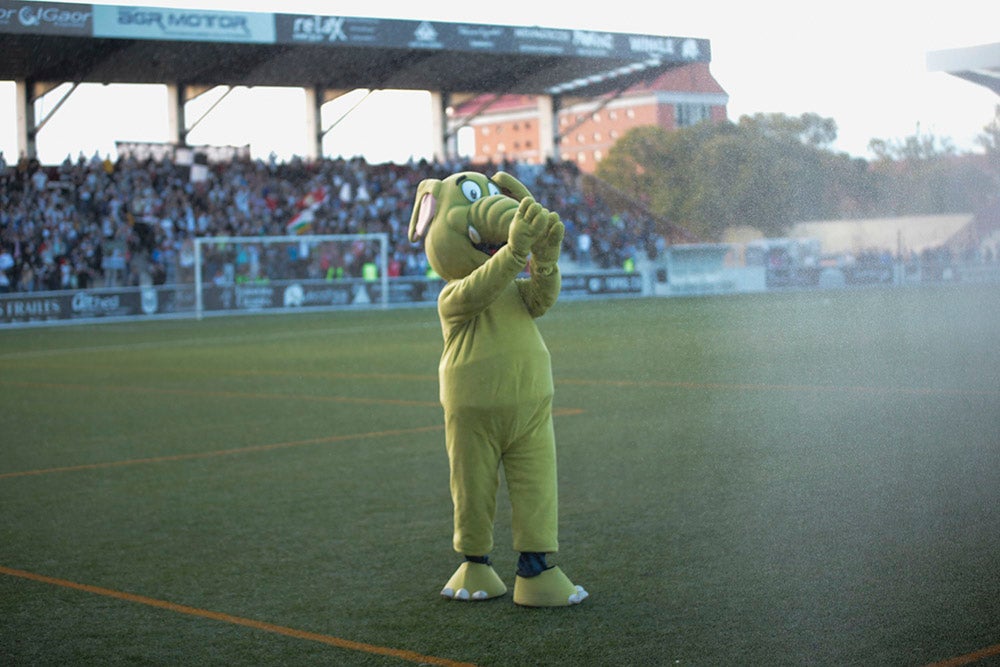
(472, 190)
(492, 187)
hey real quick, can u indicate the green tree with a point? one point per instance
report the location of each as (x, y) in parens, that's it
(809, 129)
(770, 171)
(990, 142)
(922, 174)
(767, 171)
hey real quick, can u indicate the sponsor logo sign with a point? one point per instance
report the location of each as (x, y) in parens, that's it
(92, 304)
(531, 40)
(593, 43)
(31, 308)
(139, 302)
(183, 24)
(669, 48)
(601, 284)
(549, 41)
(45, 18)
(329, 30)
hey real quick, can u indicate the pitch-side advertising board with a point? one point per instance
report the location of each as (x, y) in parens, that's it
(290, 295)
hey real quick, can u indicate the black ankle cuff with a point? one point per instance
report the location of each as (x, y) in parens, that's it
(482, 560)
(531, 564)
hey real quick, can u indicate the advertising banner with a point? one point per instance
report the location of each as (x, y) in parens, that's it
(289, 295)
(326, 30)
(46, 18)
(602, 284)
(40, 307)
(190, 25)
(160, 151)
(317, 294)
(95, 304)
(437, 35)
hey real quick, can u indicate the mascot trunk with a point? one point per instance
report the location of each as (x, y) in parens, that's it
(496, 376)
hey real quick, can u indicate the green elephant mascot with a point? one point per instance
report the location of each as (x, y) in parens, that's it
(496, 375)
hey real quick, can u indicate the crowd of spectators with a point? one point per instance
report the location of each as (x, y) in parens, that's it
(95, 222)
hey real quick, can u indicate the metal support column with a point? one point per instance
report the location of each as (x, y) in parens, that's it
(25, 119)
(314, 123)
(176, 121)
(548, 124)
(441, 146)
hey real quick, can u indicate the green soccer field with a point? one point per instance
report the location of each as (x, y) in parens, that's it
(780, 479)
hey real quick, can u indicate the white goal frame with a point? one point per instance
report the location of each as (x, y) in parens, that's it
(381, 237)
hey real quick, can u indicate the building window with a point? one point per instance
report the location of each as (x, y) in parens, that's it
(598, 156)
(597, 137)
(613, 115)
(485, 131)
(686, 115)
(630, 113)
(596, 117)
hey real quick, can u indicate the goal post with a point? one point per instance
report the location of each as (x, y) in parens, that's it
(255, 273)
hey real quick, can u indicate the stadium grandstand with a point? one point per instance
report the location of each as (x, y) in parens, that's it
(129, 226)
(98, 223)
(190, 51)
(977, 64)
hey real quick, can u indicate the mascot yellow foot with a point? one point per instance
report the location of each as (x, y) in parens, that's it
(551, 588)
(474, 581)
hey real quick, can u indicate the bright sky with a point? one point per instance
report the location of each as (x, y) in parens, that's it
(862, 63)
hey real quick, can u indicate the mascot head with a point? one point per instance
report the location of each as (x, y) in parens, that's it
(464, 219)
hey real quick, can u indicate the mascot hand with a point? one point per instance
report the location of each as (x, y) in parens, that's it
(510, 186)
(545, 251)
(530, 222)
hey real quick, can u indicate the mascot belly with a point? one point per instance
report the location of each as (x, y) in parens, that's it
(496, 376)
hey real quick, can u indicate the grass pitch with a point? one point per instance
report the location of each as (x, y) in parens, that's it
(775, 479)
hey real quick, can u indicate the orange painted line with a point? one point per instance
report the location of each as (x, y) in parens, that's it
(218, 394)
(347, 644)
(240, 394)
(915, 391)
(224, 452)
(250, 372)
(332, 374)
(244, 450)
(988, 652)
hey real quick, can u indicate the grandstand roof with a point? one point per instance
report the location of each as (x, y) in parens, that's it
(122, 44)
(978, 64)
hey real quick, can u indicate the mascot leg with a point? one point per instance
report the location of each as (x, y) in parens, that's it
(530, 467)
(475, 579)
(475, 477)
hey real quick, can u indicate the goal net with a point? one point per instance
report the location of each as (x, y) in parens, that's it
(254, 273)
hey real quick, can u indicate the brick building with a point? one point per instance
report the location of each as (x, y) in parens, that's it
(509, 127)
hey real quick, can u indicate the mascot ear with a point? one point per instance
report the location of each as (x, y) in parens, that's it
(510, 186)
(424, 208)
